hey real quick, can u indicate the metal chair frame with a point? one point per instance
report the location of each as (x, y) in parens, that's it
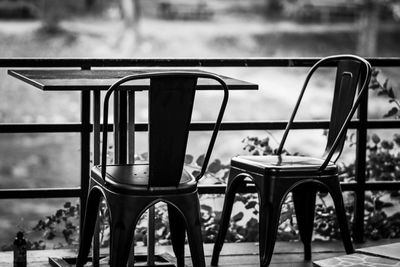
(127, 202)
(276, 175)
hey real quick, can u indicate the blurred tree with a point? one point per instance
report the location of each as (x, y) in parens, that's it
(131, 13)
(273, 8)
(89, 4)
(369, 23)
(51, 13)
(369, 28)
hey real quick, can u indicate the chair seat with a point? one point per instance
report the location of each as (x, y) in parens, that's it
(284, 165)
(136, 177)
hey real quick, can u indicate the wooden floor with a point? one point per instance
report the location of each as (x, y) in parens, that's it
(237, 254)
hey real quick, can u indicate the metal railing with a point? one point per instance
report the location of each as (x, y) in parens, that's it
(85, 127)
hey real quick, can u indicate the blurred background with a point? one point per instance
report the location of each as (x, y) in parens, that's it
(177, 28)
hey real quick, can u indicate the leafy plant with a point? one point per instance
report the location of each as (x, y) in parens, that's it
(65, 222)
(385, 89)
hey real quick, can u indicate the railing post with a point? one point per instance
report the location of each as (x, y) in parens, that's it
(360, 170)
(96, 161)
(85, 151)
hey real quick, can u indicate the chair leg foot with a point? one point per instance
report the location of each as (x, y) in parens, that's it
(304, 205)
(177, 228)
(190, 208)
(269, 220)
(307, 252)
(88, 226)
(337, 197)
(224, 222)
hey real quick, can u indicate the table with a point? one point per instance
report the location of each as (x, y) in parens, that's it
(95, 81)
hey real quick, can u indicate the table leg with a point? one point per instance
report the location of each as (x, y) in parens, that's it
(131, 152)
(151, 237)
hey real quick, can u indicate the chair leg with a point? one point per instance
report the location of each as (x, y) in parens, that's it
(304, 205)
(270, 212)
(88, 226)
(337, 197)
(224, 222)
(177, 228)
(124, 213)
(190, 208)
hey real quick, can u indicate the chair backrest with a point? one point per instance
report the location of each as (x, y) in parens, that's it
(171, 100)
(351, 71)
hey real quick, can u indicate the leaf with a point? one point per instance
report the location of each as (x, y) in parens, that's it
(67, 205)
(322, 194)
(251, 204)
(381, 93)
(51, 235)
(215, 166)
(391, 93)
(200, 160)
(396, 139)
(264, 142)
(375, 138)
(391, 112)
(238, 217)
(387, 205)
(188, 159)
(385, 84)
(379, 204)
(59, 213)
(195, 173)
(374, 85)
(208, 208)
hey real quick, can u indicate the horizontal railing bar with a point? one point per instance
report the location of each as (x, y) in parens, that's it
(42, 128)
(280, 125)
(346, 186)
(383, 124)
(220, 189)
(179, 62)
(198, 126)
(22, 193)
(376, 185)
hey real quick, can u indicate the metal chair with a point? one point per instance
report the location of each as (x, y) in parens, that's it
(129, 189)
(276, 175)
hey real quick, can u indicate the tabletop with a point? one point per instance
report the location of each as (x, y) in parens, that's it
(102, 79)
